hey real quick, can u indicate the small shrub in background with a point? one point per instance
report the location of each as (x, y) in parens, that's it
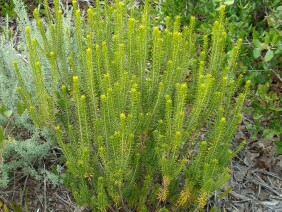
(266, 109)
(7, 7)
(265, 47)
(144, 118)
(22, 146)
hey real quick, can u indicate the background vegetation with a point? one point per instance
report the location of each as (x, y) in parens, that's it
(259, 23)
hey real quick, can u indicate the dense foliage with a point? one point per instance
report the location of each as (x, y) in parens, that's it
(143, 99)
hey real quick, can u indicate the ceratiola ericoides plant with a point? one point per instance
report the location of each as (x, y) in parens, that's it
(145, 117)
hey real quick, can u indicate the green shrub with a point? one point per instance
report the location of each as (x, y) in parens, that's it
(259, 24)
(7, 8)
(144, 118)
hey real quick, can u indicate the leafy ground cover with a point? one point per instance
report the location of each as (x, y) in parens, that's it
(256, 171)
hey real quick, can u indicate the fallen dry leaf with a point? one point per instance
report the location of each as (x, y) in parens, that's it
(249, 158)
(263, 195)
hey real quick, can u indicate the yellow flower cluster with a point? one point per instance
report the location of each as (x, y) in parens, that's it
(183, 198)
(163, 192)
(202, 199)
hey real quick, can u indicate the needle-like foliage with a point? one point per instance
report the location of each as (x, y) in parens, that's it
(144, 117)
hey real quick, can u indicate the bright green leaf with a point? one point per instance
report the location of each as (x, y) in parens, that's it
(269, 55)
(255, 35)
(2, 108)
(16, 207)
(257, 43)
(256, 52)
(269, 136)
(229, 2)
(20, 108)
(250, 127)
(8, 113)
(1, 134)
(278, 109)
(212, 209)
(278, 147)
(254, 135)
(275, 39)
(5, 209)
(268, 133)
(257, 116)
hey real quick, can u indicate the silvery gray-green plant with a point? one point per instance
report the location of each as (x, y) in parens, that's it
(22, 146)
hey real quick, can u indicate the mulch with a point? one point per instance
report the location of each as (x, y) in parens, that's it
(256, 176)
